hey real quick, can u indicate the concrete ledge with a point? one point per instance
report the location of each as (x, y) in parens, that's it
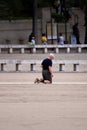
(59, 65)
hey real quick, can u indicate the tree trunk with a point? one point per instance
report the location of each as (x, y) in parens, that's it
(86, 24)
(35, 30)
(86, 34)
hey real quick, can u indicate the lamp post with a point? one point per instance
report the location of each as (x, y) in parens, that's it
(51, 23)
(63, 6)
(63, 10)
(35, 20)
(65, 21)
(51, 26)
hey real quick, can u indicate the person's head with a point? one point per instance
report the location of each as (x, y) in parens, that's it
(51, 56)
(43, 34)
(33, 38)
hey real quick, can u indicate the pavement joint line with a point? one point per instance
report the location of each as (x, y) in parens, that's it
(27, 83)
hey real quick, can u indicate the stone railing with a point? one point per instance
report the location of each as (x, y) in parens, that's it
(67, 48)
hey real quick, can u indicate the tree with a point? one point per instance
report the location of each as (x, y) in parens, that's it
(10, 9)
(84, 4)
(16, 9)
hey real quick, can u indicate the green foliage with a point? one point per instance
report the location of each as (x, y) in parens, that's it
(62, 18)
(47, 3)
(82, 3)
(10, 9)
(58, 18)
(41, 3)
(14, 9)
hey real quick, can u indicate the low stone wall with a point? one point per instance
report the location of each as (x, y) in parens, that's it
(18, 31)
(34, 65)
(15, 32)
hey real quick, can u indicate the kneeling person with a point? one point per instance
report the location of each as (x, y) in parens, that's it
(47, 73)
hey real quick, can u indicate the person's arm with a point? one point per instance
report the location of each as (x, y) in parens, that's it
(50, 70)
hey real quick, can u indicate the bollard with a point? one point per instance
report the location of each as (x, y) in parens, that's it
(61, 67)
(17, 66)
(2, 66)
(32, 66)
(75, 67)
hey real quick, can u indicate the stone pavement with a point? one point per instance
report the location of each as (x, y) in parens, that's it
(28, 106)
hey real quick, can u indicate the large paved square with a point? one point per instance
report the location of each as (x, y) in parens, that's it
(28, 106)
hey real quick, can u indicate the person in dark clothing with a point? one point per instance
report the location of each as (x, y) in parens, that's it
(30, 37)
(76, 32)
(47, 73)
(31, 40)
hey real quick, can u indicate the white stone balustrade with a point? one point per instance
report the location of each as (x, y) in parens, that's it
(43, 48)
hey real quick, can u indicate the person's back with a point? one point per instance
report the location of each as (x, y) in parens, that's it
(44, 39)
(61, 39)
(76, 30)
(46, 63)
(76, 33)
(33, 41)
